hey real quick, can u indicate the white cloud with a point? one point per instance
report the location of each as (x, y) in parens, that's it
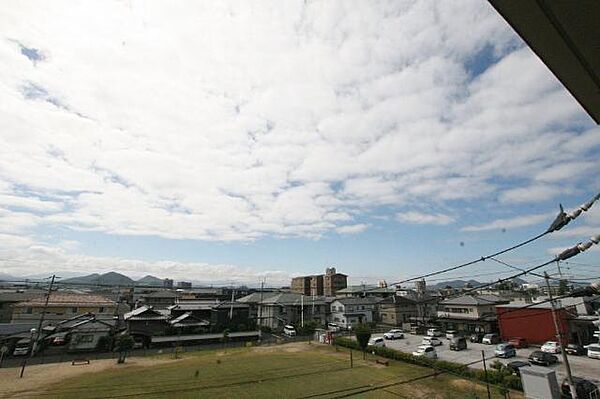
(234, 121)
(512, 223)
(424, 218)
(34, 258)
(352, 228)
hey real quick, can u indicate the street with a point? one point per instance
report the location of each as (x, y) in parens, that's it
(581, 366)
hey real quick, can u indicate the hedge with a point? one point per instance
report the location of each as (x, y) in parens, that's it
(500, 377)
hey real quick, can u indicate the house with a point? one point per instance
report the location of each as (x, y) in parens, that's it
(144, 322)
(347, 312)
(396, 311)
(10, 298)
(535, 322)
(276, 309)
(470, 313)
(232, 315)
(63, 305)
(160, 299)
(87, 335)
(365, 290)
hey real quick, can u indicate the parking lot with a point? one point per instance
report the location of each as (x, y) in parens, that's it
(581, 366)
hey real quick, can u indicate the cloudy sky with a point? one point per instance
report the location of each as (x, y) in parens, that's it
(229, 141)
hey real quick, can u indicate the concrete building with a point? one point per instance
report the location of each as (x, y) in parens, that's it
(333, 281)
(327, 284)
(10, 298)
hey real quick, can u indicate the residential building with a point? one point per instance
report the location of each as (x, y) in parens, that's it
(396, 311)
(184, 285)
(10, 298)
(160, 299)
(87, 334)
(364, 290)
(277, 309)
(327, 284)
(301, 285)
(63, 305)
(347, 312)
(333, 281)
(469, 313)
(144, 322)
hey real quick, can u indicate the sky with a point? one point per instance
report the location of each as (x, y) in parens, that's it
(228, 142)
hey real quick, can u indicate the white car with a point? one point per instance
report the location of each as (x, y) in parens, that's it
(431, 341)
(394, 334)
(333, 327)
(426, 351)
(378, 341)
(290, 331)
(551, 347)
(434, 332)
(593, 351)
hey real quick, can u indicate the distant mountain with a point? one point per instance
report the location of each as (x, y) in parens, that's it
(110, 278)
(7, 277)
(474, 283)
(150, 280)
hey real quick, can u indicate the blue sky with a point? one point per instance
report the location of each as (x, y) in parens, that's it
(231, 142)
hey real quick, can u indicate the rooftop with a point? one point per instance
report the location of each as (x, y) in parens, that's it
(65, 299)
(475, 300)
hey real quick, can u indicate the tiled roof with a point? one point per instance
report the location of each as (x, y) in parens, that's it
(64, 299)
(359, 301)
(475, 300)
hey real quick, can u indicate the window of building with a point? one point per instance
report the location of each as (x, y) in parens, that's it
(74, 310)
(101, 309)
(29, 310)
(86, 338)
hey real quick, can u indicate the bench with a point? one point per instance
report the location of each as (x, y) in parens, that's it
(80, 361)
(384, 362)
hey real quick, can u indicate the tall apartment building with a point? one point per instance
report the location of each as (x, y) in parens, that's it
(333, 281)
(322, 284)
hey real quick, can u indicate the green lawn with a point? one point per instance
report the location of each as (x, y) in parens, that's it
(287, 371)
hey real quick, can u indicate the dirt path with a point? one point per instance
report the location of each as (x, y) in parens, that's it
(41, 375)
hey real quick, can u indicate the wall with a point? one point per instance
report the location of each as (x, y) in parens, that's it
(535, 325)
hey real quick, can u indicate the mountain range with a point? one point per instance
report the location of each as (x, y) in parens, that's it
(113, 278)
(462, 283)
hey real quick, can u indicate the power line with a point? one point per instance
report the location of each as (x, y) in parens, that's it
(561, 220)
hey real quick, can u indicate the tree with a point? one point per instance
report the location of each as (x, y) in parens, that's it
(363, 334)
(123, 344)
(563, 288)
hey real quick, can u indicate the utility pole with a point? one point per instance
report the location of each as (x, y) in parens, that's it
(302, 310)
(262, 286)
(487, 383)
(560, 340)
(35, 334)
(231, 307)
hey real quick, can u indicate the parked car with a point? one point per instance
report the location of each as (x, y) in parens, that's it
(551, 347)
(576, 350)
(505, 350)
(431, 341)
(515, 367)
(22, 347)
(490, 339)
(451, 334)
(394, 334)
(518, 342)
(290, 331)
(426, 351)
(458, 343)
(593, 351)
(377, 341)
(434, 332)
(542, 358)
(333, 327)
(583, 387)
(476, 337)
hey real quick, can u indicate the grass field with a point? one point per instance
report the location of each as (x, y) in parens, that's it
(288, 371)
